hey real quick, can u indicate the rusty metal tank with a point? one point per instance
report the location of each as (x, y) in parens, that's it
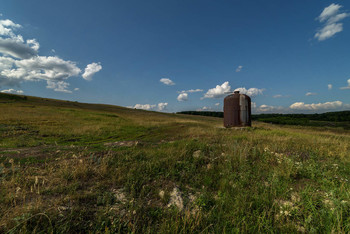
(237, 110)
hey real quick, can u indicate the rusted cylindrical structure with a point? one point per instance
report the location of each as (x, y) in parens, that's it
(237, 110)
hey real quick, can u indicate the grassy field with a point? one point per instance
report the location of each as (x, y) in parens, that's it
(73, 167)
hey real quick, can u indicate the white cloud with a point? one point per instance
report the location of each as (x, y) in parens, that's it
(329, 11)
(346, 87)
(167, 81)
(191, 91)
(331, 17)
(217, 104)
(144, 106)
(58, 86)
(337, 18)
(33, 44)
(204, 108)
(330, 86)
(35, 69)
(219, 91)
(162, 106)
(316, 106)
(250, 92)
(239, 68)
(12, 91)
(76, 89)
(90, 70)
(7, 27)
(310, 94)
(277, 96)
(266, 108)
(182, 97)
(16, 49)
(20, 62)
(328, 31)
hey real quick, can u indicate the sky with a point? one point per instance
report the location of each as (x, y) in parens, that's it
(178, 55)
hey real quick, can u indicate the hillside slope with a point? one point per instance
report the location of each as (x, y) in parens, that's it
(74, 167)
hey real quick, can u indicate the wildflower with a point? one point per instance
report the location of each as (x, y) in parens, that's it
(295, 197)
(286, 213)
(11, 161)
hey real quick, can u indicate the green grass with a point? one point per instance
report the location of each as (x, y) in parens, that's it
(60, 172)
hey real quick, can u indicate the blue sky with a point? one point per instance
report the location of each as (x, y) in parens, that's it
(290, 56)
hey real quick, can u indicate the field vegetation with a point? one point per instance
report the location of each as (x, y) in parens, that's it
(72, 167)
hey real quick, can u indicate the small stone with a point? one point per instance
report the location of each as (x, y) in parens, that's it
(161, 194)
(197, 154)
(176, 199)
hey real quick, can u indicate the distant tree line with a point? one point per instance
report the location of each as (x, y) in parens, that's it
(339, 116)
(219, 114)
(336, 119)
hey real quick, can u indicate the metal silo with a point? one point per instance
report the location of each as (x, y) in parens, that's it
(237, 110)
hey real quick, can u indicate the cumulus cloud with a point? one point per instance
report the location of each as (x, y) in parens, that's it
(219, 91)
(182, 97)
(7, 27)
(33, 44)
(20, 62)
(191, 91)
(16, 49)
(310, 94)
(316, 106)
(204, 108)
(37, 68)
(239, 68)
(90, 70)
(12, 91)
(144, 106)
(160, 106)
(330, 86)
(346, 87)
(250, 92)
(330, 16)
(217, 104)
(167, 81)
(76, 89)
(58, 86)
(265, 108)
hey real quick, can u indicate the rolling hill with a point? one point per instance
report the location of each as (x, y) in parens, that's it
(75, 167)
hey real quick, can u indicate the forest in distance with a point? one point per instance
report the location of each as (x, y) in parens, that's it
(331, 119)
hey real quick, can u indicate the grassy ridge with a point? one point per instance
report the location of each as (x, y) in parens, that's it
(73, 167)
